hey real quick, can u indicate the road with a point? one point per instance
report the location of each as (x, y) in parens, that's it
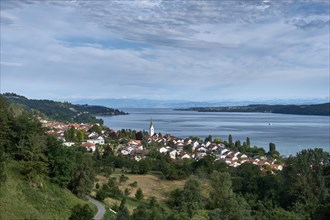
(100, 208)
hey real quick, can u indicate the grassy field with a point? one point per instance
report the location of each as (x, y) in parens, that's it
(20, 201)
(151, 185)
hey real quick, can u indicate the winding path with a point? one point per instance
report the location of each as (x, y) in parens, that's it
(100, 208)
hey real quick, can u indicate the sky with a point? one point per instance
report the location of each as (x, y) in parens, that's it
(167, 50)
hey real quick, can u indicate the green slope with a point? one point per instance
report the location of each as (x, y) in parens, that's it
(63, 111)
(20, 201)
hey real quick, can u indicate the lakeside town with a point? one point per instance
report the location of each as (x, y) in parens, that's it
(96, 137)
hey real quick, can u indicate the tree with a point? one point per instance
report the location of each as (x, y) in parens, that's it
(123, 213)
(227, 205)
(189, 199)
(80, 135)
(127, 192)
(217, 140)
(83, 178)
(81, 212)
(60, 162)
(230, 140)
(139, 194)
(208, 138)
(140, 213)
(70, 134)
(304, 181)
(248, 141)
(96, 128)
(237, 144)
(272, 147)
(123, 178)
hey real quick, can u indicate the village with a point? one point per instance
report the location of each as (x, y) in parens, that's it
(176, 148)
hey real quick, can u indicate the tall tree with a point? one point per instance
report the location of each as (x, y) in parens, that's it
(248, 141)
(230, 140)
(83, 178)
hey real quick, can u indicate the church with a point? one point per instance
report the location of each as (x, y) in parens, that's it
(151, 129)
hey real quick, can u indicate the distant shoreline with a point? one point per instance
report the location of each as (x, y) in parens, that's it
(317, 109)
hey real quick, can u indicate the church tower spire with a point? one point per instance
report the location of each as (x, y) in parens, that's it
(151, 128)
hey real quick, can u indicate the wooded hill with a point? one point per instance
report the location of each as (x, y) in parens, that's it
(63, 111)
(318, 109)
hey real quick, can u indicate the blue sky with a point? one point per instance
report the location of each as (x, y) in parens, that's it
(186, 50)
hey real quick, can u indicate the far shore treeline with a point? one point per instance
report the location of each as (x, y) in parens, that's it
(316, 109)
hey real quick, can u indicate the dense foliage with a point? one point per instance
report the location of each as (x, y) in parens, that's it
(23, 139)
(63, 111)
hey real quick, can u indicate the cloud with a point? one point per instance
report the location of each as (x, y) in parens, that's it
(4, 63)
(166, 49)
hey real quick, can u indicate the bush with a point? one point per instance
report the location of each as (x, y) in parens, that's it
(134, 184)
(139, 194)
(123, 178)
(81, 212)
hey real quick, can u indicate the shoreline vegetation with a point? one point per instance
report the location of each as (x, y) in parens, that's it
(63, 111)
(315, 109)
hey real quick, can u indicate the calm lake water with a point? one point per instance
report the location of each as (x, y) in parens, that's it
(290, 133)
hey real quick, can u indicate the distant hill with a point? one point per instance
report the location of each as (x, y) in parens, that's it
(317, 109)
(64, 111)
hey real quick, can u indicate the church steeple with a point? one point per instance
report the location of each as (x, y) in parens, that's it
(151, 128)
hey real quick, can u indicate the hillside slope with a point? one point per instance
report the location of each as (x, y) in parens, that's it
(63, 111)
(20, 201)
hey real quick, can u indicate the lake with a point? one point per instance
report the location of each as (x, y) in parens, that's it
(290, 133)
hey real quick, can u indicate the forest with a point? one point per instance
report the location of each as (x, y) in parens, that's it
(211, 189)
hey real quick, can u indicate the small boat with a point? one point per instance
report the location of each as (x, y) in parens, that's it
(270, 124)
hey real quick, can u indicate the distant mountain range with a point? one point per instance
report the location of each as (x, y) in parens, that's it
(153, 103)
(317, 109)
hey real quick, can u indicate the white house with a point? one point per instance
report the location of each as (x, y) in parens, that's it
(100, 140)
(186, 156)
(163, 150)
(68, 144)
(173, 154)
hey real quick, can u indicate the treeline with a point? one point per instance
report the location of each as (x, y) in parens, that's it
(63, 111)
(317, 109)
(40, 155)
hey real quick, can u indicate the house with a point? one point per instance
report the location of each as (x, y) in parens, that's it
(93, 135)
(68, 144)
(195, 145)
(89, 146)
(201, 149)
(185, 156)
(173, 154)
(163, 150)
(100, 140)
